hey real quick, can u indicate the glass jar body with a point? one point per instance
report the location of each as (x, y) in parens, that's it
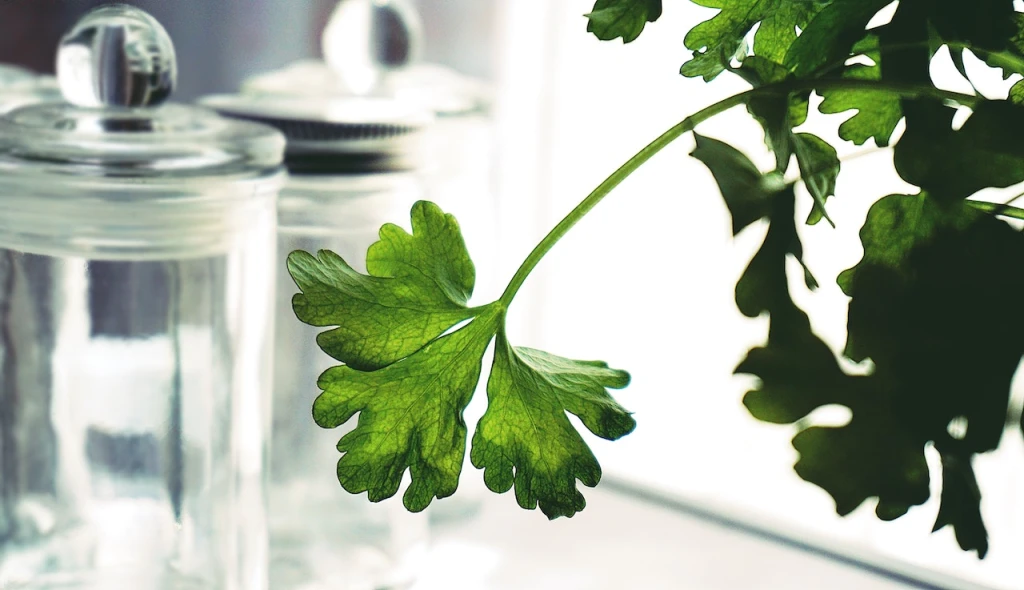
(135, 371)
(322, 537)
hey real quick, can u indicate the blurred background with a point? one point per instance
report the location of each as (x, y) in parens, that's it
(220, 44)
(645, 283)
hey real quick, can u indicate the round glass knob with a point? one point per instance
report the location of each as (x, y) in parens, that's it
(116, 55)
(364, 38)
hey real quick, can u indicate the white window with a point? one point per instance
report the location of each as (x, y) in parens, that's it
(646, 281)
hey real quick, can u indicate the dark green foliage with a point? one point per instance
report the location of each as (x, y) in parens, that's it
(612, 19)
(929, 301)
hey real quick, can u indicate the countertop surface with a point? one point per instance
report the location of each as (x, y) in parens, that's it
(635, 538)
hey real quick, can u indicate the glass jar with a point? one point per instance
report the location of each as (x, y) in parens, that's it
(371, 51)
(136, 318)
(19, 87)
(351, 169)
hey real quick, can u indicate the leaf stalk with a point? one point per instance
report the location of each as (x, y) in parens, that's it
(689, 124)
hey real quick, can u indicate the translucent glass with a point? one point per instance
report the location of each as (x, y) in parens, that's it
(458, 177)
(19, 87)
(322, 537)
(134, 390)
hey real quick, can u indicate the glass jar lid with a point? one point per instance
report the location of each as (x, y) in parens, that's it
(116, 67)
(336, 135)
(372, 48)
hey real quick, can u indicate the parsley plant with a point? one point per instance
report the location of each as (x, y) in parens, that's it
(930, 302)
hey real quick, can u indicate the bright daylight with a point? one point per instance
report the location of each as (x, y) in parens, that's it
(511, 294)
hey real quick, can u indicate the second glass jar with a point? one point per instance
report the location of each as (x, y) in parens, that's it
(349, 173)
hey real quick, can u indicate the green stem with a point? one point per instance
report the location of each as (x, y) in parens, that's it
(688, 124)
(606, 187)
(1003, 209)
(998, 59)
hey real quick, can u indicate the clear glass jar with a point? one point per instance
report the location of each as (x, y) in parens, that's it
(360, 153)
(352, 168)
(322, 537)
(19, 87)
(136, 321)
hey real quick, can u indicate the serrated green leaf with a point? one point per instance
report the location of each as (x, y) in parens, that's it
(1017, 93)
(895, 225)
(410, 416)
(611, 19)
(987, 24)
(985, 152)
(878, 111)
(870, 457)
(927, 306)
(930, 292)
(417, 287)
(411, 371)
(716, 41)
(960, 506)
(763, 287)
(778, 31)
(798, 375)
(830, 35)
(829, 29)
(1011, 58)
(873, 456)
(743, 187)
(819, 168)
(525, 438)
(750, 197)
(777, 115)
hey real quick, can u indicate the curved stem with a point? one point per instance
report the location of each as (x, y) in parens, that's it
(688, 124)
(603, 189)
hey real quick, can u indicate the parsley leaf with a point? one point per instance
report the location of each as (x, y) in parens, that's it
(746, 193)
(830, 35)
(622, 18)
(818, 161)
(410, 416)
(961, 504)
(763, 288)
(716, 41)
(989, 24)
(1017, 93)
(929, 267)
(1009, 56)
(417, 287)
(878, 111)
(776, 114)
(872, 456)
(931, 292)
(829, 29)
(819, 168)
(410, 371)
(529, 392)
(984, 152)
(751, 197)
